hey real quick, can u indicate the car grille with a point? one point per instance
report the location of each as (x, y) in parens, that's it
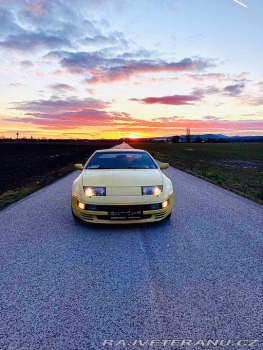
(122, 208)
(159, 215)
(86, 216)
(141, 207)
(107, 217)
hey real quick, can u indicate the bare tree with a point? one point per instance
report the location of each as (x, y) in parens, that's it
(175, 139)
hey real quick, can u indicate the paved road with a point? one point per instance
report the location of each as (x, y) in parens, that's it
(67, 285)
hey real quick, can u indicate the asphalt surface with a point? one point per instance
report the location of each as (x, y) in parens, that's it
(67, 285)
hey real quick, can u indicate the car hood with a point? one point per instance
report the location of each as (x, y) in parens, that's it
(122, 177)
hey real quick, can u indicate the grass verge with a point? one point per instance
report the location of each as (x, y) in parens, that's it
(29, 166)
(11, 196)
(237, 167)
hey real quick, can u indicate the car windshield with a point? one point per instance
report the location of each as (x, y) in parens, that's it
(121, 160)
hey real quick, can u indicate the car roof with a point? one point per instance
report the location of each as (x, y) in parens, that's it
(121, 150)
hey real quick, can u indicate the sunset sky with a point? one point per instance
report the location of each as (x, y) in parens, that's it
(119, 68)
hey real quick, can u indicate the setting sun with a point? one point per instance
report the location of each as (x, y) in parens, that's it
(133, 136)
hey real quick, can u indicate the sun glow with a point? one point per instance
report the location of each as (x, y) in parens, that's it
(133, 136)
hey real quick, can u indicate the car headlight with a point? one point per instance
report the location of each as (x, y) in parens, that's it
(152, 190)
(94, 191)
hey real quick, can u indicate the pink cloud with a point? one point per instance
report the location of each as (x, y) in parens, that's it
(169, 100)
(63, 105)
(35, 7)
(257, 101)
(218, 77)
(123, 122)
(73, 120)
(60, 88)
(210, 76)
(72, 114)
(162, 126)
(126, 71)
(107, 70)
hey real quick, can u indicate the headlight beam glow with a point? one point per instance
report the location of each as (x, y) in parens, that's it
(91, 191)
(81, 205)
(165, 204)
(152, 190)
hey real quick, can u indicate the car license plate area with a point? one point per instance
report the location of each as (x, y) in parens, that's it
(125, 215)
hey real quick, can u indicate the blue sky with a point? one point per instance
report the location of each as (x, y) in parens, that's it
(75, 69)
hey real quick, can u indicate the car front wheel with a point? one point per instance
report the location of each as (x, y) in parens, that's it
(168, 217)
(74, 216)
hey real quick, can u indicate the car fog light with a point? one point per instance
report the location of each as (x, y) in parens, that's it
(165, 204)
(81, 205)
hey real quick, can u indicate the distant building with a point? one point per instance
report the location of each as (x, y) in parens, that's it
(160, 139)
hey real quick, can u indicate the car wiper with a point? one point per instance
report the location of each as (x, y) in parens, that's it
(134, 167)
(98, 167)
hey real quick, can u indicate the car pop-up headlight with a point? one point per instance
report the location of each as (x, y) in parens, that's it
(94, 191)
(152, 190)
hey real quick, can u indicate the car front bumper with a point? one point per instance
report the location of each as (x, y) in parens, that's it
(104, 216)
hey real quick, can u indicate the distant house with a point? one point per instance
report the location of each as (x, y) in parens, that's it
(160, 139)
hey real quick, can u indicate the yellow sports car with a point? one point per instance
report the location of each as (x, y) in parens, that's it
(122, 186)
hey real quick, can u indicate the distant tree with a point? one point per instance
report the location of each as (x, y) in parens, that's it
(198, 139)
(221, 140)
(175, 139)
(130, 140)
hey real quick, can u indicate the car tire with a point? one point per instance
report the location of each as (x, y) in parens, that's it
(168, 217)
(74, 216)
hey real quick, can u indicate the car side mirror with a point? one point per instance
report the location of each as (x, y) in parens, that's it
(164, 165)
(78, 167)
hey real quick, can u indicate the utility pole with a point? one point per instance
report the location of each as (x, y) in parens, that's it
(188, 135)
